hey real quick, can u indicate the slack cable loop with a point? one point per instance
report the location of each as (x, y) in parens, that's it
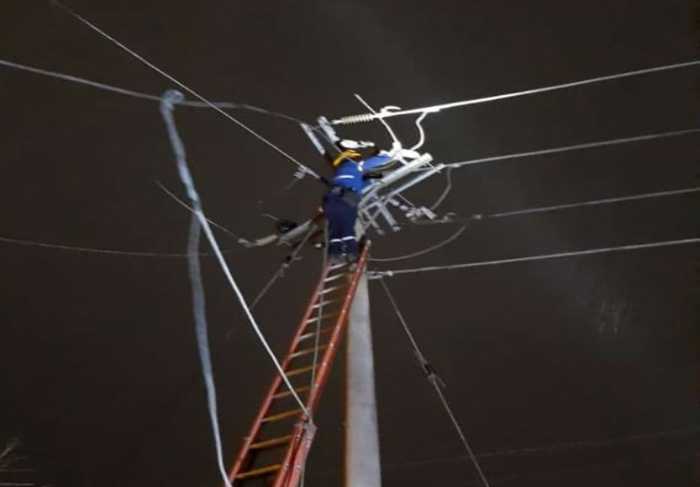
(383, 122)
(436, 108)
(425, 251)
(200, 317)
(437, 384)
(199, 221)
(446, 191)
(167, 107)
(186, 88)
(421, 131)
(558, 255)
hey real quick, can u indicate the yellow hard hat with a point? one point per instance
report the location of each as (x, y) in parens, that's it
(346, 154)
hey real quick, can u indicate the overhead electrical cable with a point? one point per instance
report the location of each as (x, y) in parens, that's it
(437, 384)
(204, 100)
(588, 145)
(436, 108)
(603, 201)
(142, 95)
(178, 148)
(288, 261)
(446, 191)
(466, 222)
(182, 203)
(199, 219)
(425, 251)
(547, 449)
(621, 248)
(201, 333)
(566, 206)
(92, 250)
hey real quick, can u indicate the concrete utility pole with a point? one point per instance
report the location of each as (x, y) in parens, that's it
(362, 464)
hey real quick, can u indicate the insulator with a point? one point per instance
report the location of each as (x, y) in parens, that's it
(365, 117)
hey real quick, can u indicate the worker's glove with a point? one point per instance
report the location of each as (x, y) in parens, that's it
(397, 151)
(355, 144)
(409, 154)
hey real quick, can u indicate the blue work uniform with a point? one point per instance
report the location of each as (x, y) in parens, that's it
(341, 201)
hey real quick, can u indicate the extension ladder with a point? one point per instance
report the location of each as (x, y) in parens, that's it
(274, 452)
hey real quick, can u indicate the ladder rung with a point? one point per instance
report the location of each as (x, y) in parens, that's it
(287, 392)
(282, 440)
(313, 333)
(280, 416)
(325, 303)
(308, 351)
(259, 471)
(331, 289)
(323, 317)
(334, 277)
(337, 266)
(300, 370)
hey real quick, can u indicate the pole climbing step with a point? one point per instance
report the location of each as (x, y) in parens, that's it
(274, 451)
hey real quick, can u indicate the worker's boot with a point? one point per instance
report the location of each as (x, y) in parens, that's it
(336, 259)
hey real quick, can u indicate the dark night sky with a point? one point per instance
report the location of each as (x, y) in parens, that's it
(99, 368)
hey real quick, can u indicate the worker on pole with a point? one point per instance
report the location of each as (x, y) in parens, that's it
(351, 174)
(354, 164)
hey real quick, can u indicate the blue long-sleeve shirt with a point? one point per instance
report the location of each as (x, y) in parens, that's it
(349, 174)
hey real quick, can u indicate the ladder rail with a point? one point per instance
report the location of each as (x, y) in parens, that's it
(336, 337)
(276, 382)
(298, 449)
(288, 471)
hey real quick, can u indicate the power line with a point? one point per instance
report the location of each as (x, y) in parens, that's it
(78, 80)
(141, 95)
(548, 449)
(425, 251)
(204, 100)
(179, 150)
(202, 335)
(288, 261)
(604, 201)
(182, 203)
(436, 108)
(446, 191)
(199, 221)
(588, 145)
(93, 250)
(479, 217)
(565, 206)
(621, 248)
(436, 383)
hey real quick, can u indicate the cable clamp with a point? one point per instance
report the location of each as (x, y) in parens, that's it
(432, 374)
(372, 275)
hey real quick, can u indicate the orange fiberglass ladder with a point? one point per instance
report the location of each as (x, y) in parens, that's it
(275, 450)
